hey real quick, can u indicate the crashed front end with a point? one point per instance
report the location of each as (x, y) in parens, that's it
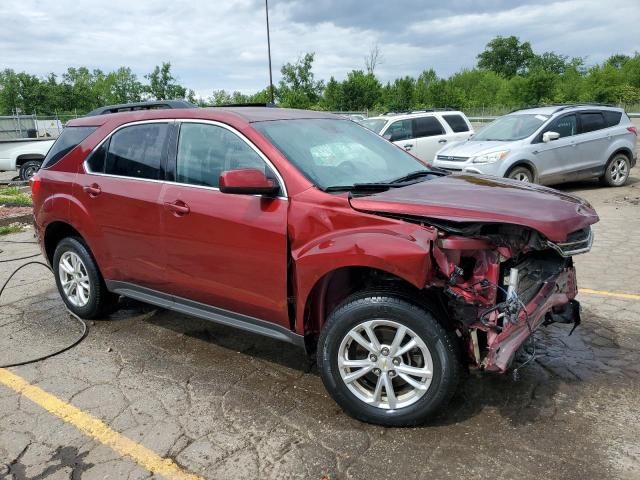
(502, 282)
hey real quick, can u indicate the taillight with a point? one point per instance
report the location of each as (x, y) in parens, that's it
(633, 130)
(35, 182)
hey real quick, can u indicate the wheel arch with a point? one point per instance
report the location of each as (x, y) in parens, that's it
(26, 157)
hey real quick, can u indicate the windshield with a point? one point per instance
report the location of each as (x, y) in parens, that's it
(338, 152)
(511, 127)
(374, 124)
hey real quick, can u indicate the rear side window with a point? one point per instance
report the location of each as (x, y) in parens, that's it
(69, 139)
(427, 127)
(590, 122)
(137, 151)
(457, 123)
(611, 117)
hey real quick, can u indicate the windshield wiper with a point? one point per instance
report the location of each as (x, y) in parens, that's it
(361, 187)
(413, 176)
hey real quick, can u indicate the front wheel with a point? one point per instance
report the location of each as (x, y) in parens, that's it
(522, 174)
(387, 361)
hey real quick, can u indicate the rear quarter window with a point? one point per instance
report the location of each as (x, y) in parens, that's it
(69, 139)
(457, 123)
(611, 118)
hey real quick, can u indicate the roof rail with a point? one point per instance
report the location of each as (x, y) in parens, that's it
(564, 106)
(255, 104)
(150, 105)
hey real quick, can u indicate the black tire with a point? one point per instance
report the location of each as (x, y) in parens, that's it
(616, 173)
(29, 169)
(442, 347)
(520, 173)
(100, 301)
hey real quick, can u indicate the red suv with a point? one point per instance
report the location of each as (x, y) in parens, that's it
(309, 228)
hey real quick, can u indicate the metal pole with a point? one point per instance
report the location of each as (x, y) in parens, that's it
(266, 8)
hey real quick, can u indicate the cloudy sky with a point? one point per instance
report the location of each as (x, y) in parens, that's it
(222, 44)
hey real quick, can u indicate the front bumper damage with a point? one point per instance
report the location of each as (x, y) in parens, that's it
(497, 298)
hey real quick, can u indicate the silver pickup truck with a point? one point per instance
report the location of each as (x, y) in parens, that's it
(24, 155)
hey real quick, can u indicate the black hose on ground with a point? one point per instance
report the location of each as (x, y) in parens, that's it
(83, 324)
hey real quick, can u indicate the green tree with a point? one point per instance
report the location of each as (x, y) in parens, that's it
(506, 56)
(298, 87)
(359, 91)
(162, 84)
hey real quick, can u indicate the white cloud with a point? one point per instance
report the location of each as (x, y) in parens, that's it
(214, 45)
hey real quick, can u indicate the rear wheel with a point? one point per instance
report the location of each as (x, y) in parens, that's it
(29, 169)
(522, 174)
(385, 360)
(617, 171)
(79, 282)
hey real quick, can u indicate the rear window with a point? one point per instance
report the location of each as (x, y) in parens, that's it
(427, 127)
(590, 122)
(611, 117)
(69, 139)
(457, 123)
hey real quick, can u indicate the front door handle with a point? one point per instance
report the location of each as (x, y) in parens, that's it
(179, 208)
(443, 140)
(93, 190)
(408, 146)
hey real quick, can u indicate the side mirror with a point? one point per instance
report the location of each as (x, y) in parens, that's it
(548, 136)
(247, 181)
(387, 136)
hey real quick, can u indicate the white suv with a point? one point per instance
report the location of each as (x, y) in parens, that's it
(422, 132)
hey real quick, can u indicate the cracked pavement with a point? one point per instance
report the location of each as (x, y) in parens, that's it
(227, 404)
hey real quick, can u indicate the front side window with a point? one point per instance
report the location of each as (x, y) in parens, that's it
(590, 122)
(69, 139)
(511, 127)
(566, 126)
(399, 130)
(205, 151)
(427, 127)
(338, 152)
(457, 123)
(137, 151)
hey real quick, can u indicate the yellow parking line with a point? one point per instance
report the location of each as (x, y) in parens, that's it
(604, 293)
(96, 428)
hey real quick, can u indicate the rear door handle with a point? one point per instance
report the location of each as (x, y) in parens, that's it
(93, 190)
(408, 146)
(179, 208)
(443, 140)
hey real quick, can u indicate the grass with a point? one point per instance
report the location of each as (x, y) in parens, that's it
(14, 196)
(13, 228)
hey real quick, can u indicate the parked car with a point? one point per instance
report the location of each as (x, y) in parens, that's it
(23, 155)
(422, 133)
(550, 145)
(307, 228)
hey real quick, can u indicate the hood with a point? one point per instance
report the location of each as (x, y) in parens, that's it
(475, 198)
(471, 148)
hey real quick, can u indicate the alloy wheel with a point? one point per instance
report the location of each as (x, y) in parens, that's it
(74, 279)
(385, 364)
(618, 170)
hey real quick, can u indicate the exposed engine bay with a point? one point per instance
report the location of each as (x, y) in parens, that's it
(502, 282)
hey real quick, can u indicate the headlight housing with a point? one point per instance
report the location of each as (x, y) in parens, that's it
(491, 157)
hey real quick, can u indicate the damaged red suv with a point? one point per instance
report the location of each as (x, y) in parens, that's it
(308, 228)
